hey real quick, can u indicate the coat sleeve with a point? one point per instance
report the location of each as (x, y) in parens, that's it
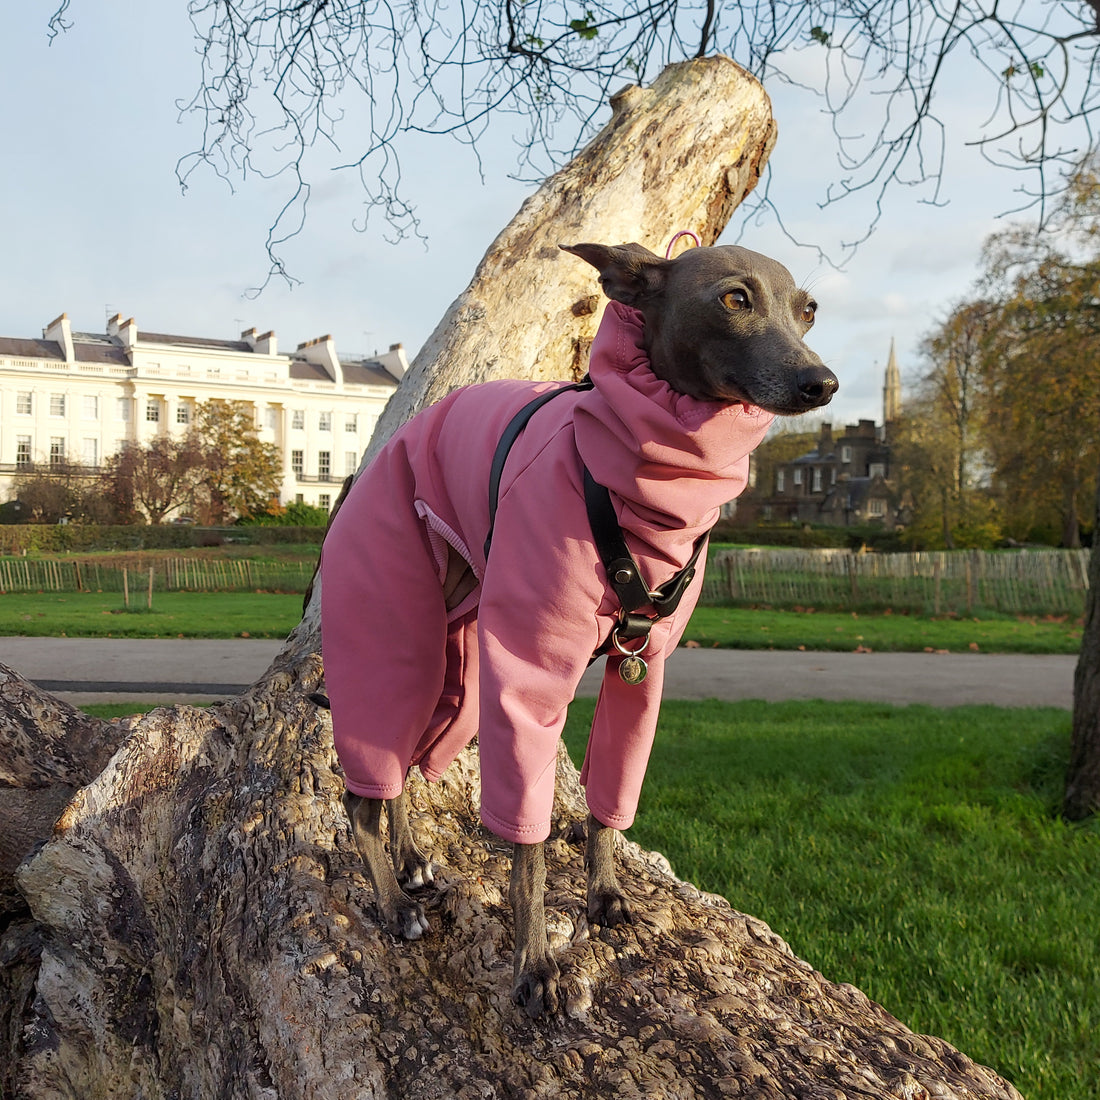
(625, 723)
(544, 602)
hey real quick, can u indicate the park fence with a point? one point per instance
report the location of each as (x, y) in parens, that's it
(1039, 582)
(1031, 582)
(164, 575)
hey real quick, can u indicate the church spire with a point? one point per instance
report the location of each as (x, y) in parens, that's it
(891, 389)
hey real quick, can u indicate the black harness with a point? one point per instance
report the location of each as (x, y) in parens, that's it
(623, 574)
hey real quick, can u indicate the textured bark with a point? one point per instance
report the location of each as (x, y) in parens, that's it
(1082, 797)
(198, 924)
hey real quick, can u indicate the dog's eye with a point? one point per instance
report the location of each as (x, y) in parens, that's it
(809, 311)
(736, 299)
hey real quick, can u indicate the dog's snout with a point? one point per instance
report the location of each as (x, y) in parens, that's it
(817, 387)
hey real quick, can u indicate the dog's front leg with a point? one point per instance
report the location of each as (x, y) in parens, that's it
(412, 866)
(535, 974)
(606, 903)
(401, 915)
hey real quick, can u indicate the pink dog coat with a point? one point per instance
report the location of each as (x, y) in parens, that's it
(411, 683)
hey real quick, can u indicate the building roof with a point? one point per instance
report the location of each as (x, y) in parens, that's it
(195, 342)
(86, 350)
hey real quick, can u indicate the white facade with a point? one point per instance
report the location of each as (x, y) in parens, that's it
(74, 397)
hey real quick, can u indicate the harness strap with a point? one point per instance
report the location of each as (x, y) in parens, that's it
(622, 570)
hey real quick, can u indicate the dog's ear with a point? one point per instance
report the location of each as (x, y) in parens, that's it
(629, 273)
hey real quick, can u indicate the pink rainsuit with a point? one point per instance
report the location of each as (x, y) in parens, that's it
(411, 683)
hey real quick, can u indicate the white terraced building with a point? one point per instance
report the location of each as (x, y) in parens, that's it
(78, 397)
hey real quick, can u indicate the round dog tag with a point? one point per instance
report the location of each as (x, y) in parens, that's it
(633, 670)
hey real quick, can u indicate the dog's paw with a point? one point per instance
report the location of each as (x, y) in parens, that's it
(407, 921)
(608, 908)
(536, 988)
(415, 871)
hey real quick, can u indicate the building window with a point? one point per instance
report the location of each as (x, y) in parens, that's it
(57, 450)
(816, 487)
(324, 465)
(152, 411)
(122, 408)
(351, 422)
(877, 469)
(299, 499)
(89, 452)
(57, 404)
(324, 501)
(22, 451)
(91, 406)
(183, 413)
(780, 480)
(876, 506)
(324, 421)
(351, 462)
(24, 404)
(298, 419)
(845, 454)
(297, 462)
(271, 417)
(796, 476)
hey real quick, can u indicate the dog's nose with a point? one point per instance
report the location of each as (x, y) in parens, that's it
(817, 387)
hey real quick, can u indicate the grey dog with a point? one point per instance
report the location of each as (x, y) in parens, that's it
(721, 324)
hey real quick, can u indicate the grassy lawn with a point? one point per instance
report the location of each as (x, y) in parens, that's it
(912, 851)
(746, 628)
(174, 615)
(267, 615)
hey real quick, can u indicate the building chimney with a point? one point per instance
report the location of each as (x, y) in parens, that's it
(399, 361)
(61, 330)
(322, 353)
(113, 323)
(127, 332)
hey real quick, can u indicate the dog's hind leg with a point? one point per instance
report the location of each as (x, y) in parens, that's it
(412, 866)
(606, 903)
(535, 974)
(401, 915)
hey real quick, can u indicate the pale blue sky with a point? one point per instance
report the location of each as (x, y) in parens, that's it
(93, 220)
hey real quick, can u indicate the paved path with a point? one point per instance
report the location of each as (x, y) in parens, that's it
(100, 670)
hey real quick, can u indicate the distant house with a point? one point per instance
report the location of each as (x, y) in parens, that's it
(846, 479)
(77, 397)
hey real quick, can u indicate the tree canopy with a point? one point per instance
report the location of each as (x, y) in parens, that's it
(281, 81)
(1008, 408)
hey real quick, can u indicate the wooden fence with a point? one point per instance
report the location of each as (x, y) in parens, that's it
(169, 575)
(1040, 582)
(1032, 582)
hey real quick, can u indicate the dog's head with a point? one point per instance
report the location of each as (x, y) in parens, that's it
(721, 324)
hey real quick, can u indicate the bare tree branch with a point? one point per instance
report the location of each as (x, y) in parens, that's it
(280, 78)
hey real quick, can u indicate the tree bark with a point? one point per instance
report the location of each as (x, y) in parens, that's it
(198, 923)
(1082, 795)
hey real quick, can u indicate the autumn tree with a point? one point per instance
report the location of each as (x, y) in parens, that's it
(1042, 376)
(154, 478)
(938, 446)
(60, 490)
(238, 475)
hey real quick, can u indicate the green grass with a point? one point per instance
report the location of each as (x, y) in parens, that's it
(911, 851)
(174, 615)
(267, 615)
(745, 628)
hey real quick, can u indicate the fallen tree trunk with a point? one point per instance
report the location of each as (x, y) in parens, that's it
(198, 923)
